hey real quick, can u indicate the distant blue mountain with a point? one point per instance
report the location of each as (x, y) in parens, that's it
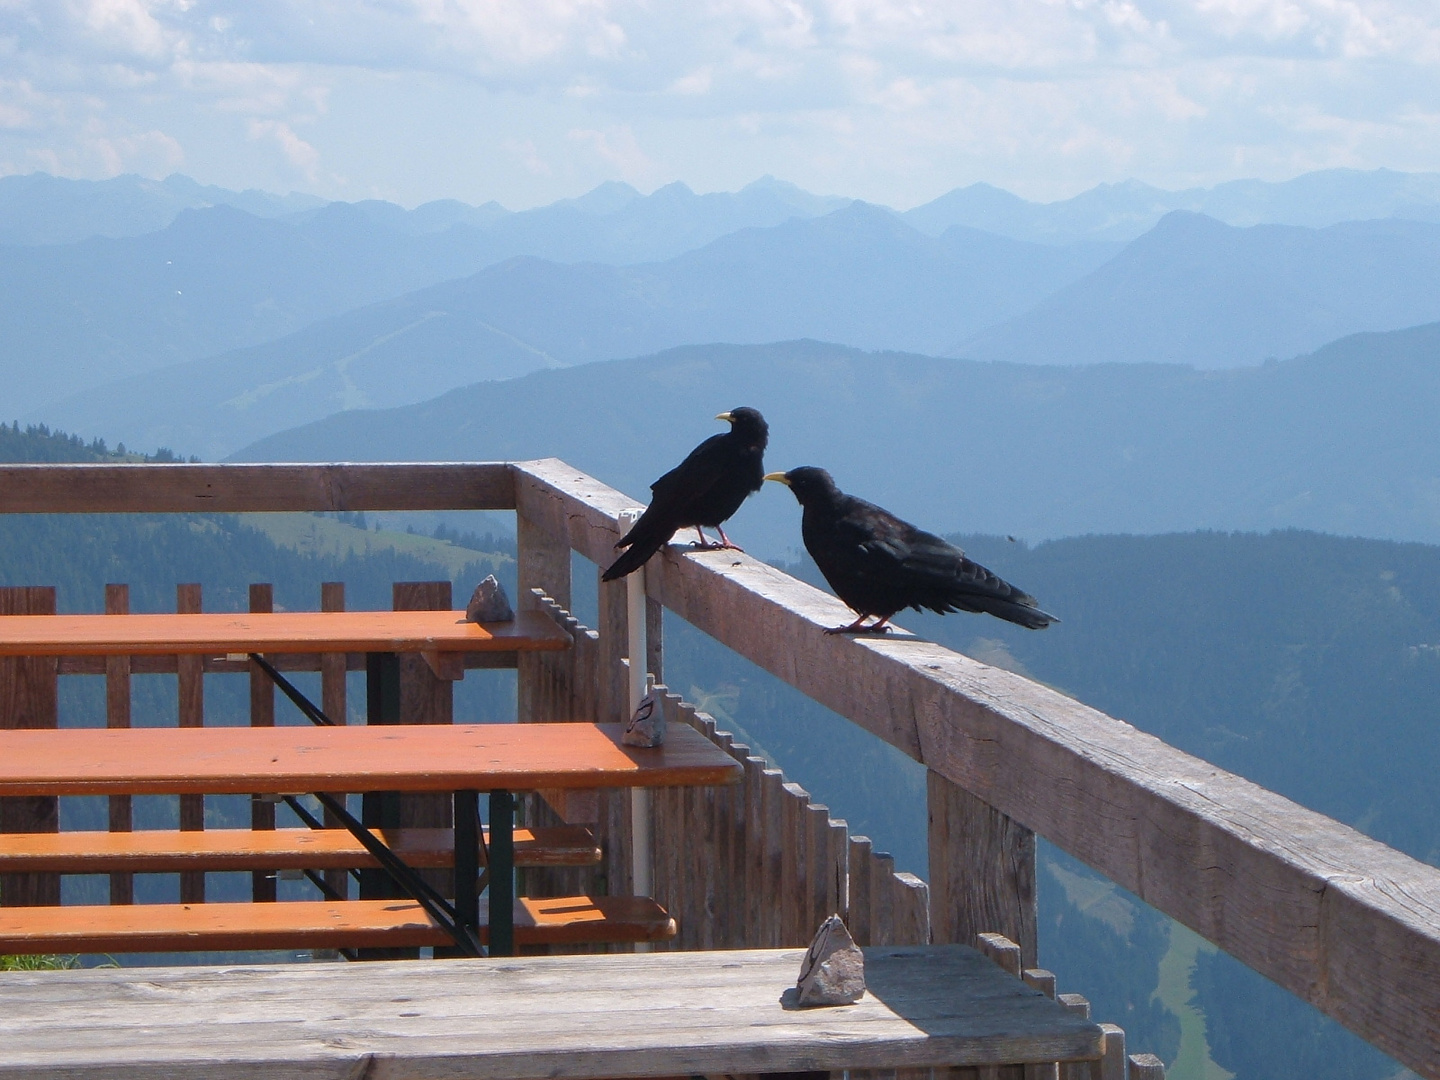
(1195, 291)
(216, 279)
(44, 209)
(1341, 441)
(1125, 210)
(857, 275)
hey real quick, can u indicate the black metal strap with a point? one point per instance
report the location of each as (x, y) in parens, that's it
(435, 905)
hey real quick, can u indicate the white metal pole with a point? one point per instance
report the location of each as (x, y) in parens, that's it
(641, 868)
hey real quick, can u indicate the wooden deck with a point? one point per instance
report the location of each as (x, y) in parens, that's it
(568, 1018)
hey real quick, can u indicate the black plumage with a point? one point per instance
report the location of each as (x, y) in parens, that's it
(879, 564)
(704, 489)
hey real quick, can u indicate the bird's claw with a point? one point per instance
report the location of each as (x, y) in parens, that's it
(881, 628)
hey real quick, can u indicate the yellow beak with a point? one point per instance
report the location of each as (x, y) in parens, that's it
(778, 477)
(725, 416)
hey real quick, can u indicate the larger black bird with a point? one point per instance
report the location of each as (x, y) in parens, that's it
(879, 564)
(704, 489)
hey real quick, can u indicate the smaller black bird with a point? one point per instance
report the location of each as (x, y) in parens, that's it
(704, 489)
(879, 564)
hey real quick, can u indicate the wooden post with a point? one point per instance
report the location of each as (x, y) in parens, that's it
(982, 870)
(1146, 1067)
(28, 699)
(191, 688)
(542, 562)
(425, 699)
(262, 714)
(117, 715)
(613, 695)
(333, 702)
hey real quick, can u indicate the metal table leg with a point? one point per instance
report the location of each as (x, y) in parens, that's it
(467, 861)
(502, 873)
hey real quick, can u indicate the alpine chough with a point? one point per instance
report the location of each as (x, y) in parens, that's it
(879, 564)
(704, 489)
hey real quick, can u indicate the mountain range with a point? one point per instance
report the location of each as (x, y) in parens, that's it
(857, 275)
(1195, 291)
(1341, 440)
(43, 209)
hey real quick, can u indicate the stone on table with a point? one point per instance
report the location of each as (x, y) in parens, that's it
(488, 603)
(647, 726)
(834, 969)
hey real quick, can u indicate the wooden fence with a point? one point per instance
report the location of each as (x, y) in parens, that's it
(1340, 920)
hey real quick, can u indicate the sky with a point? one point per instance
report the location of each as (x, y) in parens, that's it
(527, 101)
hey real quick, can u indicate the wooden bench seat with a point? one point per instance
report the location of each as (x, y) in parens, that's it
(359, 924)
(282, 849)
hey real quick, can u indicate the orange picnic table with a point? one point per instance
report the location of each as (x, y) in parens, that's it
(380, 757)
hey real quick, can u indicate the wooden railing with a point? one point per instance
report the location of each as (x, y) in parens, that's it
(1338, 919)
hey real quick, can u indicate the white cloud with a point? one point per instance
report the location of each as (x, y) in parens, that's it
(888, 99)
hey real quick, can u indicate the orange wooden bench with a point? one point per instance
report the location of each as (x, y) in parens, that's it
(160, 852)
(286, 760)
(360, 924)
(277, 632)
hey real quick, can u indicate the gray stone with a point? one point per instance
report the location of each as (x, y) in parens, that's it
(488, 603)
(834, 969)
(647, 726)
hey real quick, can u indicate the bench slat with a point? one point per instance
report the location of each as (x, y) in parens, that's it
(283, 849)
(564, 920)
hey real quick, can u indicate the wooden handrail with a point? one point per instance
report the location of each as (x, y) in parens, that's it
(1343, 921)
(156, 489)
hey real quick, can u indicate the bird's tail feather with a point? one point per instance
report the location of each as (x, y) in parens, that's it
(643, 542)
(1022, 614)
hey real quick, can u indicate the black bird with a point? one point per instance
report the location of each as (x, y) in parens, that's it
(704, 489)
(879, 564)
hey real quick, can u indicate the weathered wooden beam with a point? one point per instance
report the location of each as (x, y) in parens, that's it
(1340, 920)
(154, 489)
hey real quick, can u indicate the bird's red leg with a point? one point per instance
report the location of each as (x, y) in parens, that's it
(725, 540)
(704, 543)
(877, 627)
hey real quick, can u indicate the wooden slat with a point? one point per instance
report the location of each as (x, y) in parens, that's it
(123, 489)
(334, 702)
(29, 702)
(285, 631)
(571, 1018)
(117, 715)
(1340, 920)
(313, 924)
(371, 758)
(190, 685)
(159, 852)
(264, 888)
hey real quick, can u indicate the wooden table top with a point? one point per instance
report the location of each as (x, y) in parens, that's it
(567, 1017)
(412, 757)
(274, 632)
